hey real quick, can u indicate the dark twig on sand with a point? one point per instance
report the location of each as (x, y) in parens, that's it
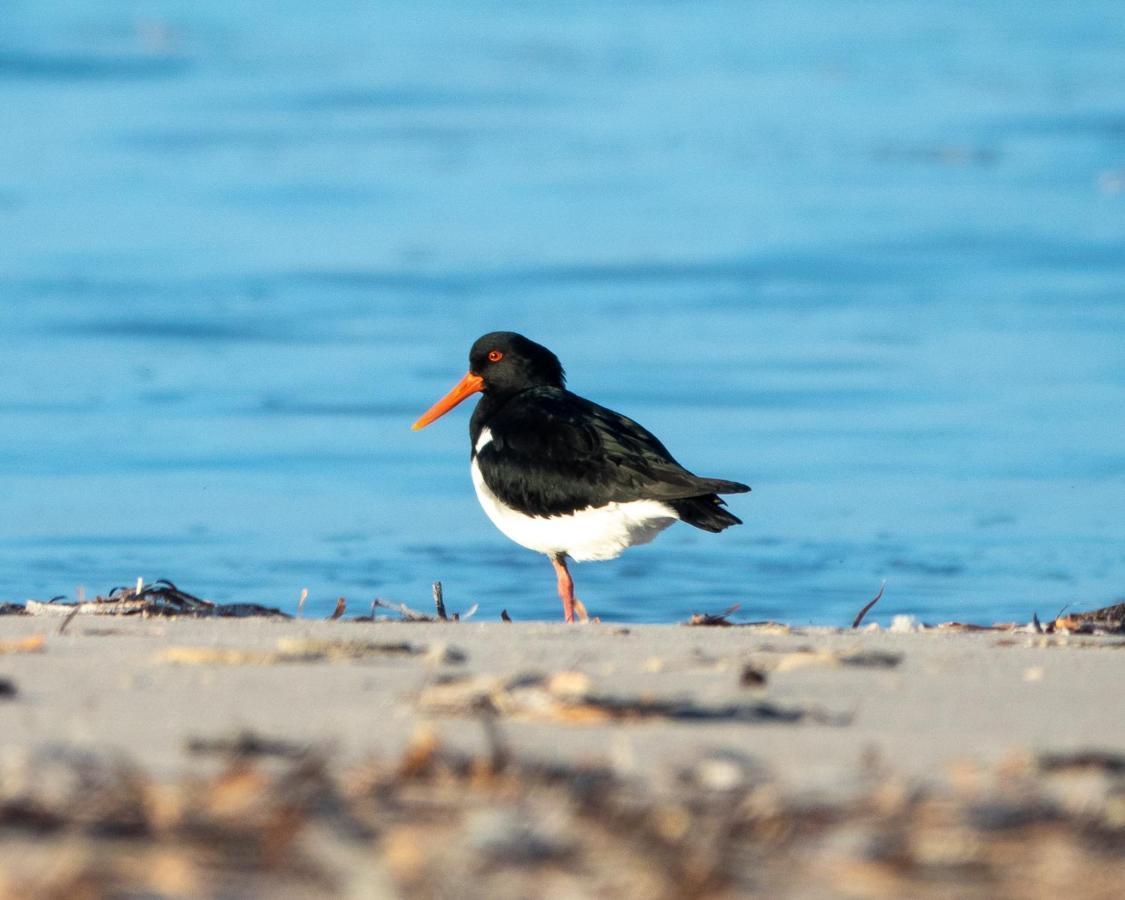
(863, 612)
(439, 602)
(246, 744)
(1083, 760)
(69, 617)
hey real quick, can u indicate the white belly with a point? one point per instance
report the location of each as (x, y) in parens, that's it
(597, 532)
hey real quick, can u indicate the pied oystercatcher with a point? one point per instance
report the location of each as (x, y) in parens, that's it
(564, 476)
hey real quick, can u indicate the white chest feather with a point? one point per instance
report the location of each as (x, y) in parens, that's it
(597, 532)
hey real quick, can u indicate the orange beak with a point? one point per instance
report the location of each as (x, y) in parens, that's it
(466, 387)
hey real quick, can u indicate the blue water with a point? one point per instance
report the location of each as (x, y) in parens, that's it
(869, 258)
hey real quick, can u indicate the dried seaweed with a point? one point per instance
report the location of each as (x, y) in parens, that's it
(1107, 620)
(569, 697)
(247, 744)
(439, 821)
(161, 598)
(1083, 760)
(411, 615)
(306, 650)
(808, 657)
(407, 614)
(721, 620)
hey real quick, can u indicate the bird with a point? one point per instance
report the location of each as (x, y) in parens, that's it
(563, 476)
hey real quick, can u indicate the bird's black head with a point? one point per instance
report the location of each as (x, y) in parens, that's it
(509, 363)
(501, 364)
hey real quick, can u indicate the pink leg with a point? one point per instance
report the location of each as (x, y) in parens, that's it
(571, 604)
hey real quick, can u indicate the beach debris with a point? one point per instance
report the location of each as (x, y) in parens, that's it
(867, 606)
(301, 601)
(722, 620)
(571, 698)
(1107, 620)
(807, 657)
(161, 598)
(33, 643)
(967, 627)
(1104, 761)
(246, 744)
(7, 689)
(411, 615)
(408, 614)
(714, 619)
(12, 609)
(277, 819)
(441, 653)
(70, 617)
(905, 625)
(341, 607)
(504, 617)
(720, 772)
(751, 677)
(439, 602)
(307, 650)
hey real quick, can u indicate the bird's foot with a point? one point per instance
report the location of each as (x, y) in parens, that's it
(574, 611)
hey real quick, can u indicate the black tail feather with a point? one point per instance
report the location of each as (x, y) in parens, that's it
(722, 486)
(706, 512)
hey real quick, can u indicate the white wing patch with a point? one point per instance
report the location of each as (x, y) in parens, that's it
(484, 440)
(597, 532)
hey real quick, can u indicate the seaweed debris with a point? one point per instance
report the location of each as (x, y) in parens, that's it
(722, 620)
(308, 650)
(570, 697)
(439, 821)
(161, 598)
(407, 614)
(1107, 620)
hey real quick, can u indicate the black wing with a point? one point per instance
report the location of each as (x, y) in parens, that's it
(553, 452)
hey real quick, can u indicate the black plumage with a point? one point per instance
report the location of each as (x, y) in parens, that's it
(553, 452)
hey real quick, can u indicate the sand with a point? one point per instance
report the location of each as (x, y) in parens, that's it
(820, 716)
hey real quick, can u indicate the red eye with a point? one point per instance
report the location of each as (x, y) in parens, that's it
(495, 356)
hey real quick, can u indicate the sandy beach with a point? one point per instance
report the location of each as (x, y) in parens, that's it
(490, 757)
